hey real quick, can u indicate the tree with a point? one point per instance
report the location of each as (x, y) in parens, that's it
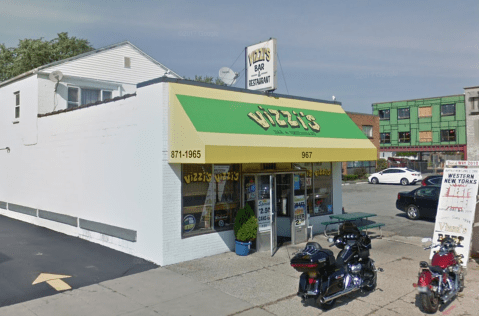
(33, 53)
(208, 79)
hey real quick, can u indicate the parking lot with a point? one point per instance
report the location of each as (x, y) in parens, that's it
(380, 199)
(30, 253)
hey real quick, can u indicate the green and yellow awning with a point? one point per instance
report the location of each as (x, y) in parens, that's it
(208, 125)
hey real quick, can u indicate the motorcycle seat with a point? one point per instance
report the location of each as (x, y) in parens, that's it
(436, 269)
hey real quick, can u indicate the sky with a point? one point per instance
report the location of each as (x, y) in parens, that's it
(360, 51)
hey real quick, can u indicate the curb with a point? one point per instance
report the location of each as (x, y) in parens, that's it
(348, 183)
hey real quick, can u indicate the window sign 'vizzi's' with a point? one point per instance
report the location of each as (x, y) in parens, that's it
(270, 113)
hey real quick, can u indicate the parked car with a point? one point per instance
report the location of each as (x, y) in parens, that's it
(432, 180)
(421, 202)
(402, 176)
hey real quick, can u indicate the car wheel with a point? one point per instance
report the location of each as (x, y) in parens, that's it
(412, 212)
(374, 181)
(404, 181)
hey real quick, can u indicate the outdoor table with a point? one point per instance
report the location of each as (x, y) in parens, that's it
(341, 218)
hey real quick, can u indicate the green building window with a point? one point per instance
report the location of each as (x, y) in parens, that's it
(383, 114)
(404, 137)
(448, 135)
(403, 113)
(448, 109)
(385, 138)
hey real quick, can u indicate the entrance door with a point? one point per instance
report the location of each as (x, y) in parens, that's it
(274, 232)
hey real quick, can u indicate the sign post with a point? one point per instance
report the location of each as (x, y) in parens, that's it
(457, 204)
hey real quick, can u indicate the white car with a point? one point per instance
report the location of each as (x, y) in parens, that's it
(402, 176)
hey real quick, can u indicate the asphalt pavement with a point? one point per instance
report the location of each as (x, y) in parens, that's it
(254, 285)
(29, 253)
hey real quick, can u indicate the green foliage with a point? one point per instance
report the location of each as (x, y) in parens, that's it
(33, 53)
(209, 79)
(360, 172)
(246, 224)
(381, 164)
(349, 177)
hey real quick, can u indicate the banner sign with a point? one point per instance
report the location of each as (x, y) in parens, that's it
(457, 206)
(261, 66)
(264, 216)
(299, 210)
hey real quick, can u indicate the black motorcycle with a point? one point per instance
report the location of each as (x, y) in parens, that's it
(325, 278)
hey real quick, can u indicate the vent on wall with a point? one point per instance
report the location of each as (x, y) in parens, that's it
(127, 62)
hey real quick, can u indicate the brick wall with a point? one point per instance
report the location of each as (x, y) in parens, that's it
(365, 119)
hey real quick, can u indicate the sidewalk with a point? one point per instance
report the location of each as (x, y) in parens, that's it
(255, 285)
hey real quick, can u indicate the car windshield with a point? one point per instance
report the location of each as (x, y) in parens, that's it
(410, 170)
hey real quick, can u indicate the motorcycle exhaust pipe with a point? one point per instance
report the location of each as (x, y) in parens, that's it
(338, 294)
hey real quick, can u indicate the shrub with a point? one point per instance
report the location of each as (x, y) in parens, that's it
(349, 177)
(381, 164)
(360, 172)
(246, 224)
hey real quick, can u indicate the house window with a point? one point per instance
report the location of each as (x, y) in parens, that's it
(17, 104)
(448, 135)
(403, 113)
(425, 111)
(425, 137)
(448, 109)
(385, 138)
(82, 96)
(404, 137)
(383, 114)
(368, 130)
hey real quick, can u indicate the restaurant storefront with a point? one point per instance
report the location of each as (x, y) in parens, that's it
(279, 154)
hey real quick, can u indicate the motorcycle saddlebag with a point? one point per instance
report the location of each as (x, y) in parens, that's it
(312, 259)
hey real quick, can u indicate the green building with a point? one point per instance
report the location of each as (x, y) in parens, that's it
(434, 128)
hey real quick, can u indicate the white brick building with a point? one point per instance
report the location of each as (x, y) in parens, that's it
(160, 171)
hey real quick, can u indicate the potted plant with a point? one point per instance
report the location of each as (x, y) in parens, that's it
(245, 229)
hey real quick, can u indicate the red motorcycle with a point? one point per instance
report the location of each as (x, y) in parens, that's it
(441, 281)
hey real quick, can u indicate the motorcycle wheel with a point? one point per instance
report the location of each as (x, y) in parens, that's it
(429, 302)
(461, 282)
(371, 286)
(327, 305)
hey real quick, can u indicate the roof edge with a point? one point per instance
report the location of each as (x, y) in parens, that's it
(219, 87)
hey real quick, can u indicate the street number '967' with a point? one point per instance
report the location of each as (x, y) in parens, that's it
(307, 154)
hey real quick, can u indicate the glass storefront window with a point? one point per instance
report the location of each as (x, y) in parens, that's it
(211, 197)
(319, 187)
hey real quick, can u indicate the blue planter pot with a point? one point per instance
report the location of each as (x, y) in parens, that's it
(242, 248)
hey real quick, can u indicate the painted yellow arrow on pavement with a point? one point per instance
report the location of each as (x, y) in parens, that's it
(55, 281)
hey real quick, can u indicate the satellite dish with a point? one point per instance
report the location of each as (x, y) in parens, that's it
(228, 76)
(55, 76)
(334, 98)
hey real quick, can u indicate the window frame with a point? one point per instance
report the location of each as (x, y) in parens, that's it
(404, 139)
(448, 137)
(445, 113)
(381, 141)
(383, 112)
(78, 103)
(369, 130)
(404, 117)
(17, 105)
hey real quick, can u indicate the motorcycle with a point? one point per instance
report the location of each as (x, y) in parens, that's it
(441, 281)
(325, 278)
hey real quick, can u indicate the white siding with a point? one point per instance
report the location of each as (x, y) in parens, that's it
(101, 164)
(25, 131)
(108, 65)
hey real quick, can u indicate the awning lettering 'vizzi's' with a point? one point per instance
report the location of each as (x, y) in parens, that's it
(210, 125)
